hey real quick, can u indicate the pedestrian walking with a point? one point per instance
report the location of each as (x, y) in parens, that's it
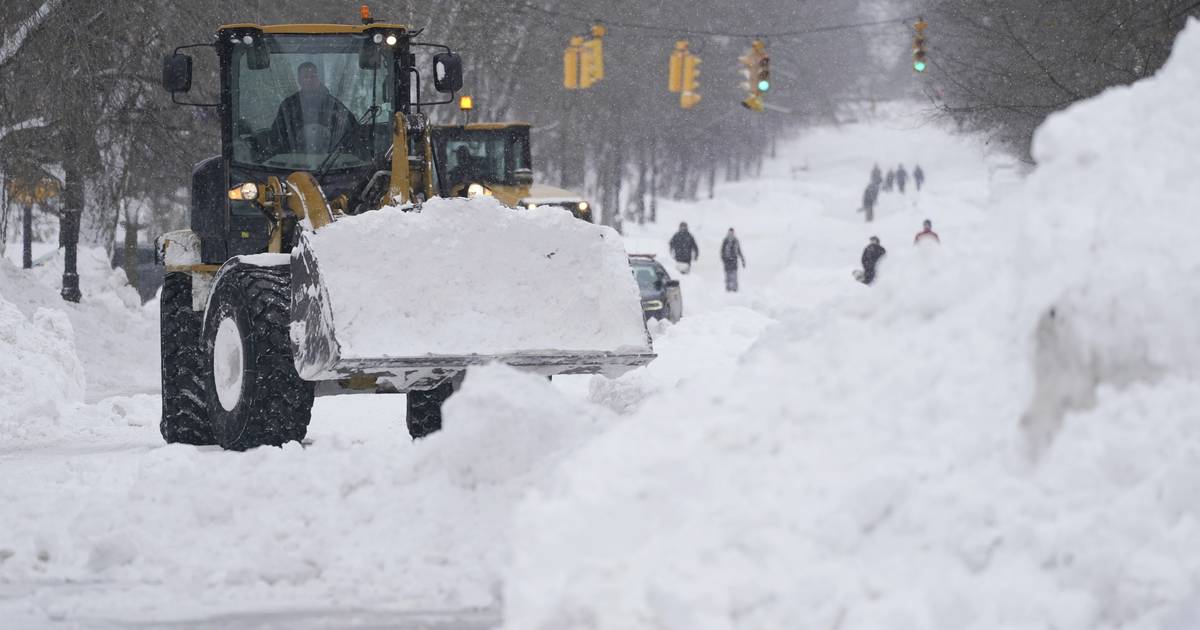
(927, 234)
(876, 177)
(731, 253)
(684, 249)
(870, 258)
(870, 196)
(918, 177)
(901, 178)
(889, 181)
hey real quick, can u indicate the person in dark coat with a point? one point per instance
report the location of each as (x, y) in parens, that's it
(870, 196)
(918, 177)
(870, 257)
(889, 181)
(731, 253)
(684, 249)
(312, 120)
(901, 178)
(876, 176)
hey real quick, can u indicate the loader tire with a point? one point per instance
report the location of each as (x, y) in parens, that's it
(255, 396)
(425, 410)
(184, 402)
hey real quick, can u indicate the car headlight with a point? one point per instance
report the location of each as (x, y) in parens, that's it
(583, 206)
(652, 305)
(531, 206)
(478, 190)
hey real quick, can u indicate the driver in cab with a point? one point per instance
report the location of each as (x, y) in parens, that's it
(312, 120)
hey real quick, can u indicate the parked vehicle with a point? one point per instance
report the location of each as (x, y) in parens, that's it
(661, 297)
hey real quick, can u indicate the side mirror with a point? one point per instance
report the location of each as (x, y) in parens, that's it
(369, 57)
(672, 284)
(523, 177)
(258, 57)
(177, 73)
(447, 72)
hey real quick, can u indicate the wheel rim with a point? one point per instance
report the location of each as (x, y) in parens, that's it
(228, 363)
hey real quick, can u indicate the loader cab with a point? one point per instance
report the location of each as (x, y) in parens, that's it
(484, 159)
(316, 98)
(494, 159)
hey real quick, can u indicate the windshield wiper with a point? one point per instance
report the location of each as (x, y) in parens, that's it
(326, 164)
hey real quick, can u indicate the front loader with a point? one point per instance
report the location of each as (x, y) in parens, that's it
(495, 159)
(321, 128)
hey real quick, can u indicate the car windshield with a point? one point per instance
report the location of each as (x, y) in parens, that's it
(292, 114)
(646, 277)
(484, 155)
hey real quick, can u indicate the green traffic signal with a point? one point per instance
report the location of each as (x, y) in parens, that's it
(764, 85)
(919, 66)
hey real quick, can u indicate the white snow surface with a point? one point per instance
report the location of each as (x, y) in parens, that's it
(866, 465)
(470, 276)
(933, 452)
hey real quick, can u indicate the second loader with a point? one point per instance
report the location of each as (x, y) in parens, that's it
(318, 260)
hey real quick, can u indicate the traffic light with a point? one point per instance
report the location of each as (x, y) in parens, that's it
(583, 61)
(764, 74)
(675, 67)
(571, 64)
(920, 54)
(592, 58)
(691, 81)
(756, 69)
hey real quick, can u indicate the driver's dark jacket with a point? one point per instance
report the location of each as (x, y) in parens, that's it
(286, 131)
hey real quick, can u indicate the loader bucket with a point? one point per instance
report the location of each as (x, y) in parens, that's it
(414, 297)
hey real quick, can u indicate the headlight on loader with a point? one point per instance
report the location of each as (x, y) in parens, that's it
(583, 206)
(478, 190)
(245, 192)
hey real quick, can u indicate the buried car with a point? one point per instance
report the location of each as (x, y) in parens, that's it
(661, 297)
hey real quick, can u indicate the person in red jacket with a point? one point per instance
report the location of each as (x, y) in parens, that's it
(927, 234)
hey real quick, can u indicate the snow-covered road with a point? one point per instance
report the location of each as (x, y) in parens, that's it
(999, 434)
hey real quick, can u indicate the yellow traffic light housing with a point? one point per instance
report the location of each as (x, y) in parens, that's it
(571, 64)
(689, 96)
(920, 53)
(756, 69)
(691, 73)
(675, 67)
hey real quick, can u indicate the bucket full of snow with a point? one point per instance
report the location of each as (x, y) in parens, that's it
(413, 296)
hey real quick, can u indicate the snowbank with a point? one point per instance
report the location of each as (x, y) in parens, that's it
(38, 368)
(471, 276)
(356, 519)
(867, 465)
(115, 336)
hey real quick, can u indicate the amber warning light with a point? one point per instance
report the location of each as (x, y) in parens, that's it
(365, 12)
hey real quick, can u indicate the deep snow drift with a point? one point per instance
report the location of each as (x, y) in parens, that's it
(867, 466)
(936, 451)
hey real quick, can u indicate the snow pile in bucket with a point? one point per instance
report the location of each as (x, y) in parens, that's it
(472, 276)
(869, 464)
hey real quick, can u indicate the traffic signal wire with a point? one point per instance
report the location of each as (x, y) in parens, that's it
(671, 31)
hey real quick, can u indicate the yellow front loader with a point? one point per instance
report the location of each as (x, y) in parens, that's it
(297, 275)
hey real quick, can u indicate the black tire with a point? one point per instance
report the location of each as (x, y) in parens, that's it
(424, 414)
(273, 404)
(184, 368)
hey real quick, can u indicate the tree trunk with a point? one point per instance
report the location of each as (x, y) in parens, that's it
(27, 236)
(72, 210)
(131, 238)
(654, 182)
